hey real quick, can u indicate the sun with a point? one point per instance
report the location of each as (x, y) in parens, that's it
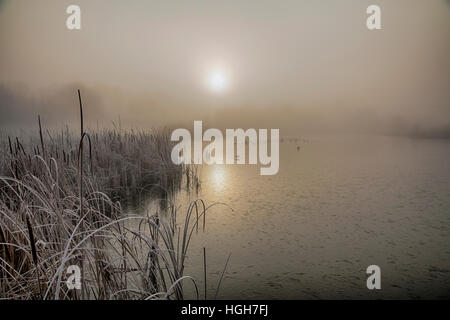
(217, 80)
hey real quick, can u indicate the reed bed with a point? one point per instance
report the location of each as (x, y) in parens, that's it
(60, 205)
(123, 164)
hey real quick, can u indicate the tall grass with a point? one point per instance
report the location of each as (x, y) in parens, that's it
(60, 205)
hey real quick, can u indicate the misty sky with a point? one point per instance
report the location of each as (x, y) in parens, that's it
(297, 65)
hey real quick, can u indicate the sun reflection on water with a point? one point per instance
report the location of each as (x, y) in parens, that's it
(218, 177)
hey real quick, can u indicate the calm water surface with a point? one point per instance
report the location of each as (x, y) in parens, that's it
(336, 206)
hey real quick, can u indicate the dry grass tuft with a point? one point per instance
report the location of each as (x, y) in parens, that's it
(59, 206)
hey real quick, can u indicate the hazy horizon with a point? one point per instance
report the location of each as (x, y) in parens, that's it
(301, 66)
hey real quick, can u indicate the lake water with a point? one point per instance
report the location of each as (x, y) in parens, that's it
(337, 205)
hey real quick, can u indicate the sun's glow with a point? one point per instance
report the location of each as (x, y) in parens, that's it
(218, 80)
